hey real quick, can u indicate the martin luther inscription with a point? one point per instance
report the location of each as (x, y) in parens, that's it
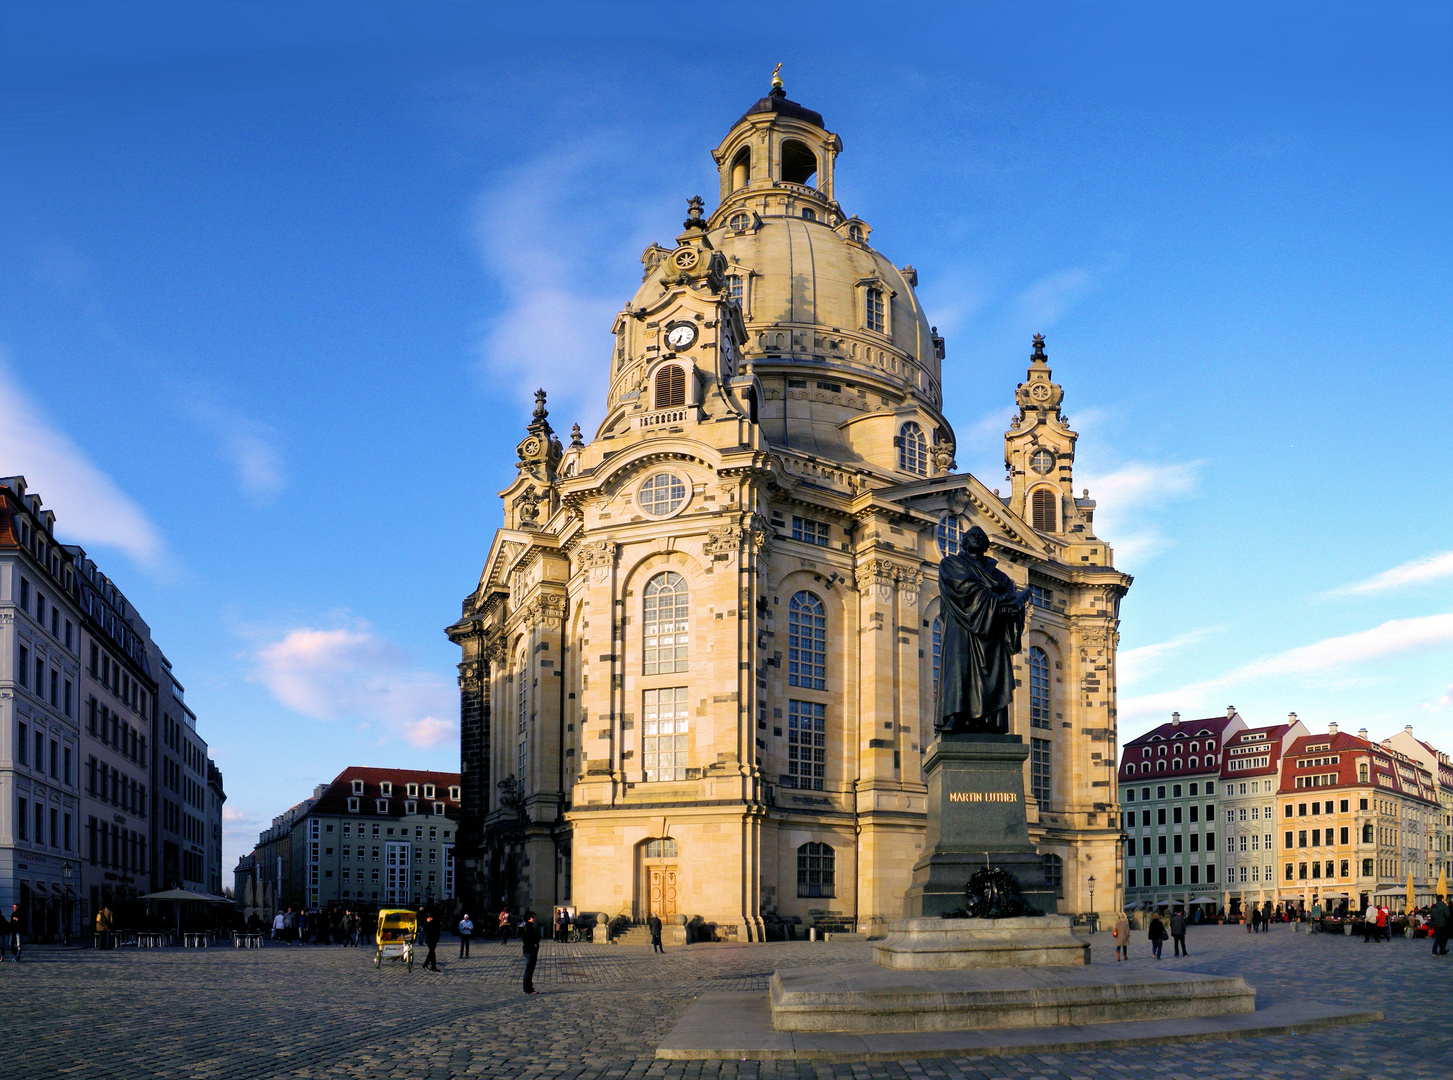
(983, 796)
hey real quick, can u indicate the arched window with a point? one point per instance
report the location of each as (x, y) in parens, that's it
(912, 449)
(937, 652)
(806, 642)
(806, 744)
(1192, 763)
(816, 870)
(670, 387)
(1160, 766)
(1043, 510)
(855, 232)
(1038, 688)
(663, 848)
(799, 163)
(742, 168)
(1054, 873)
(950, 531)
(664, 624)
(873, 310)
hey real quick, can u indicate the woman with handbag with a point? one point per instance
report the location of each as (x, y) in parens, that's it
(1121, 934)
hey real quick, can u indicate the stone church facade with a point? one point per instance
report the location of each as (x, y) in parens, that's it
(698, 670)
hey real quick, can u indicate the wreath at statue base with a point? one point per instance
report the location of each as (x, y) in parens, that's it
(993, 893)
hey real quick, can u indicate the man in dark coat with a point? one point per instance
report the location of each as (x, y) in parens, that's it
(983, 619)
(1442, 921)
(1178, 932)
(431, 939)
(654, 922)
(530, 939)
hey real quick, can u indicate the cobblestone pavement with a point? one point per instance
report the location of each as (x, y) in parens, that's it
(319, 1013)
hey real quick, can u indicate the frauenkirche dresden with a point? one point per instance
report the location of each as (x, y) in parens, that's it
(698, 670)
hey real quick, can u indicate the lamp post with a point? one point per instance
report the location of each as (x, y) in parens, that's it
(66, 877)
(1094, 922)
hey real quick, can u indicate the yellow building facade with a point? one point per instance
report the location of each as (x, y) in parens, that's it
(698, 669)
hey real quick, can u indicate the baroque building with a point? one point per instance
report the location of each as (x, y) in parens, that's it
(698, 669)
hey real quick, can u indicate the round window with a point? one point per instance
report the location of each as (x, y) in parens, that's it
(1041, 461)
(662, 494)
(738, 222)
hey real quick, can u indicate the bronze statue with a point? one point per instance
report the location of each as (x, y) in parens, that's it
(983, 620)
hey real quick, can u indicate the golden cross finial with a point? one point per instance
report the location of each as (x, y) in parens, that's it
(777, 77)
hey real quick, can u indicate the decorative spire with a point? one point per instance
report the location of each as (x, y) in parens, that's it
(576, 442)
(539, 425)
(693, 213)
(1038, 353)
(777, 80)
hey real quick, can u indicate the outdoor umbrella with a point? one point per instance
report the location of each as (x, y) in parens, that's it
(1442, 887)
(1411, 902)
(178, 895)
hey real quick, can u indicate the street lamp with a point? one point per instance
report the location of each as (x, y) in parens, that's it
(66, 877)
(1093, 920)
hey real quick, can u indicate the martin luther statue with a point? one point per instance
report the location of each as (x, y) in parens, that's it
(983, 619)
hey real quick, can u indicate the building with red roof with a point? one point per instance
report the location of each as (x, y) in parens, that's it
(1250, 776)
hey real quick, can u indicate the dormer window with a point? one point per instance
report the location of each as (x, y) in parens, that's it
(352, 807)
(410, 806)
(413, 790)
(873, 315)
(358, 787)
(380, 805)
(454, 793)
(439, 809)
(670, 387)
(386, 789)
(855, 232)
(428, 791)
(739, 222)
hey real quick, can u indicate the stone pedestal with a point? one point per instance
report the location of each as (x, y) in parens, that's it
(937, 944)
(976, 818)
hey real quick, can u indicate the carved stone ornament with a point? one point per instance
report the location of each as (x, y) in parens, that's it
(723, 540)
(527, 509)
(943, 457)
(909, 583)
(759, 535)
(600, 553)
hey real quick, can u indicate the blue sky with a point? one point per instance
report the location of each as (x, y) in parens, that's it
(278, 281)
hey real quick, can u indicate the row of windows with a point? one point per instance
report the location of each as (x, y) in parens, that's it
(113, 786)
(386, 789)
(1160, 766)
(1134, 879)
(119, 682)
(56, 630)
(60, 756)
(59, 689)
(381, 806)
(34, 822)
(111, 846)
(1175, 812)
(113, 730)
(1175, 791)
(1176, 841)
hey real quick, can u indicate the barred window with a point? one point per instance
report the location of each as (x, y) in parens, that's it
(816, 870)
(1039, 776)
(950, 533)
(1054, 873)
(874, 312)
(912, 449)
(806, 642)
(814, 532)
(665, 735)
(937, 652)
(1038, 688)
(806, 743)
(667, 636)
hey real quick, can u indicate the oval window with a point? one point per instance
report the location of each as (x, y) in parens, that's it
(662, 494)
(738, 222)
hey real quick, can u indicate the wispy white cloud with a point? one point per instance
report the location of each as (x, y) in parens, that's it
(1123, 497)
(543, 236)
(90, 507)
(347, 672)
(1441, 703)
(1415, 572)
(1340, 655)
(249, 446)
(1047, 300)
(1137, 663)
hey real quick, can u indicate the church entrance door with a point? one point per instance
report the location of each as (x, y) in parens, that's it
(663, 891)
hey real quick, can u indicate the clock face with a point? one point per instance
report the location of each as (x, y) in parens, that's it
(681, 336)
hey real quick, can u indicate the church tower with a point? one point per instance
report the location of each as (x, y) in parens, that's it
(699, 666)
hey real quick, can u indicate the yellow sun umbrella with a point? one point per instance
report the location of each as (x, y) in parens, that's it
(1411, 902)
(1442, 887)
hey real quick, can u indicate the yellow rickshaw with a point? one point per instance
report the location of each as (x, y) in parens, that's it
(394, 936)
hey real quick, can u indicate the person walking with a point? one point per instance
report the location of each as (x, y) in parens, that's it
(1383, 930)
(654, 922)
(431, 939)
(466, 931)
(1440, 918)
(1121, 935)
(530, 939)
(1178, 932)
(1157, 935)
(504, 926)
(1369, 923)
(16, 926)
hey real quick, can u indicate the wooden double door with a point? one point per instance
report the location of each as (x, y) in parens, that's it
(661, 891)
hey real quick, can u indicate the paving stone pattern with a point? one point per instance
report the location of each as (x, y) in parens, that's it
(318, 1013)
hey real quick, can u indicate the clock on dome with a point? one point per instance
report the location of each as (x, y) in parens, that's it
(680, 336)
